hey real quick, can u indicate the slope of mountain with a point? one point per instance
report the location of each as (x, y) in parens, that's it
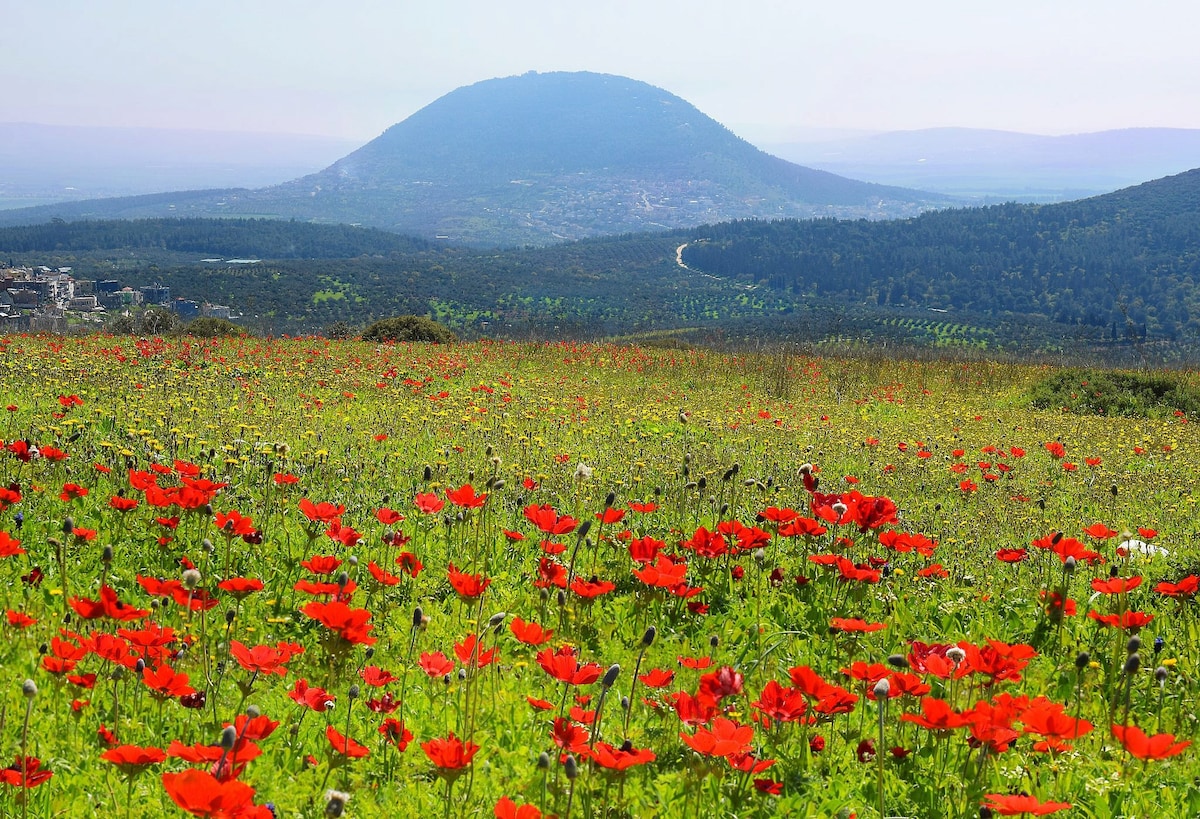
(536, 159)
(43, 164)
(1003, 165)
(1125, 263)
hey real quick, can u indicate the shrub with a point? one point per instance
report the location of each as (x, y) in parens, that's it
(339, 331)
(409, 328)
(209, 327)
(1112, 393)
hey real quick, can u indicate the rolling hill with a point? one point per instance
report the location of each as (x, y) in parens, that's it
(535, 159)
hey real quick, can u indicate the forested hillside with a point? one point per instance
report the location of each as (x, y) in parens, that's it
(1127, 262)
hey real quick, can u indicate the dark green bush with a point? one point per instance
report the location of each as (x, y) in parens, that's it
(209, 327)
(409, 328)
(1115, 393)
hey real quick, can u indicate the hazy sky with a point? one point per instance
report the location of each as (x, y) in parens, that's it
(765, 68)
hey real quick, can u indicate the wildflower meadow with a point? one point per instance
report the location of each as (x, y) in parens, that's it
(305, 578)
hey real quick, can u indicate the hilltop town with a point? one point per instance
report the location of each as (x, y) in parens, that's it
(51, 300)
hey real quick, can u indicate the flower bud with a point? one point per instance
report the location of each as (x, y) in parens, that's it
(897, 661)
(610, 676)
(1134, 644)
(1082, 659)
(1160, 674)
(29, 689)
(228, 738)
(1132, 664)
(571, 768)
(882, 689)
(648, 637)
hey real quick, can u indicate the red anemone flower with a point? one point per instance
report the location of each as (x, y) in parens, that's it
(202, 794)
(344, 745)
(467, 585)
(1159, 746)
(449, 755)
(465, 497)
(1021, 804)
(724, 738)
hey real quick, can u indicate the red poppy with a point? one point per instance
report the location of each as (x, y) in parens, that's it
(779, 703)
(322, 564)
(349, 624)
(19, 619)
(382, 577)
(1115, 585)
(449, 755)
(388, 517)
(657, 678)
(409, 564)
(71, 491)
(164, 682)
(1100, 531)
(25, 772)
(318, 699)
(467, 585)
(850, 624)
(344, 745)
(470, 654)
(547, 520)
(563, 665)
(590, 589)
(107, 606)
(1159, 746)
(123, 504)
(508, 809)
(1127, 620)
(530, 633)
(133, 759)
(622, 758)
(234, 524)
(239, 587)
(1021, 804)
(465, 497)
(393, 731)
(264, 659)
(323, 512)
(724, 738)
(428, 503)
(202, 794)
(436, 664)
(1184, 588)
(937, 715)
(377, 677)
(9, 545)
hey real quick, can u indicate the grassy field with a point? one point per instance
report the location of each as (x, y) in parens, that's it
(498, 579)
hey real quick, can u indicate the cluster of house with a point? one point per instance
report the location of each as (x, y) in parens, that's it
(44, 299)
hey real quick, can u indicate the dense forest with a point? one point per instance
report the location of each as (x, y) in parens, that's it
(227, 238)
(1127, 263)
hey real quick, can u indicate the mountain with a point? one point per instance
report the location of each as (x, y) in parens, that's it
(539, 158)
(43, 164)
(1003, 165)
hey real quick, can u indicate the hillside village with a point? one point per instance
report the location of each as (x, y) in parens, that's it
(44, 299)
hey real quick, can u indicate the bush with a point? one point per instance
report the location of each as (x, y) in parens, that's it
(339, 331)
(153, 321)
(1125, 394)
(209, 327)
(409, 328)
